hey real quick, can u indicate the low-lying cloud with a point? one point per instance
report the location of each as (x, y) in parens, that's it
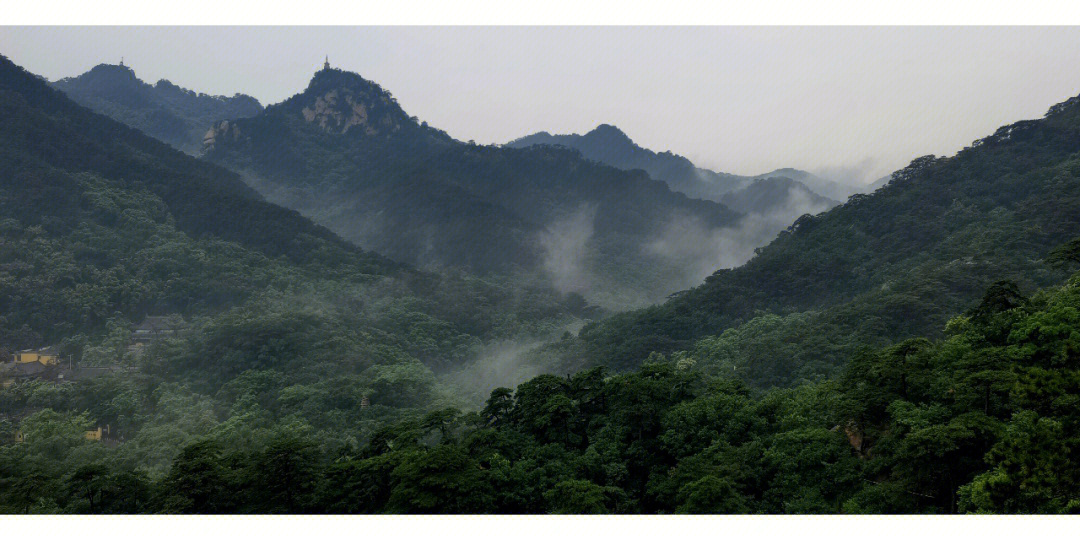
(700, 250)
(505, 363)
(858, 175)
(565, 245)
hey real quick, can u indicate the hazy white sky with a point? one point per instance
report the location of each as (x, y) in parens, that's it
(744, 100)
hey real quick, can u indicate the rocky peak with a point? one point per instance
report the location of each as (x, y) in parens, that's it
(340, 101)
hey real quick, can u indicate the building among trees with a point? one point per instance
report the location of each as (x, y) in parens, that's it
(153, 327)
(46, 356)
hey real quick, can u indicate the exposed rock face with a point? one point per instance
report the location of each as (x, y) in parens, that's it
(336, 113)
(854, 436)
(219, 132)
(340, 102)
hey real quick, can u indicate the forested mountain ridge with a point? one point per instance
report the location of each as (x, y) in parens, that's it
(892, 264)
(344, 153)
(46, 132)
(102, 225)
(164, 110)
(101, 219)
(608, 144)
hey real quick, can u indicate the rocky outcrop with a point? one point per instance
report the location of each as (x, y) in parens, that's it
(220, 132)
(339, 110)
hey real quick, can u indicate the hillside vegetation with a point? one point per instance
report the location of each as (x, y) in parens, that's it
(883, 267)
(985, 420)
(103, 226)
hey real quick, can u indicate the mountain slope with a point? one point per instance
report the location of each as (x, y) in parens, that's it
(896, 263)
(164, 111)
(344, 153)
(92, 192)
(47, 133)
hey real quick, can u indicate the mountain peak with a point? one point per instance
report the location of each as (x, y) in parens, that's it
(114, 69)
(609, 133)
(109, 82)
(108, 75)
(340, 101)
(329, 78)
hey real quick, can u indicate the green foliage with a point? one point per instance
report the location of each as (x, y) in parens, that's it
(985, 420)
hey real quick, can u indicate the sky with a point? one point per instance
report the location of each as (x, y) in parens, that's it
(851, 103)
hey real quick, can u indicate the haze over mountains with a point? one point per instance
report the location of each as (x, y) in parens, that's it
(346, 154)
(896, 263)
(771, 202)
(608, 144)
(590, 214)
(104, 224)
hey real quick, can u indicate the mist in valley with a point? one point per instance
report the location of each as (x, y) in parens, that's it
(701, 251)
(565, 245)
(503, 363)
(681, 254)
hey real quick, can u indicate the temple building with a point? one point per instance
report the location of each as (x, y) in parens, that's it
(152, 328)
(46, 356)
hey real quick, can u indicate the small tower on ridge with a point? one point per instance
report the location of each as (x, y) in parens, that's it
(326, 64)
(121, 61)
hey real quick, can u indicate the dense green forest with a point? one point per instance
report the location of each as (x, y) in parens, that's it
(102, 226)
(984, 420)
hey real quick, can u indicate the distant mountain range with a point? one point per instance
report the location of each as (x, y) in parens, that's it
(163, 110)
(608, 144)
(878, 184)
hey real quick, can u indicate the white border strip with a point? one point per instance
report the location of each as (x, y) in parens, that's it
(537, 12)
